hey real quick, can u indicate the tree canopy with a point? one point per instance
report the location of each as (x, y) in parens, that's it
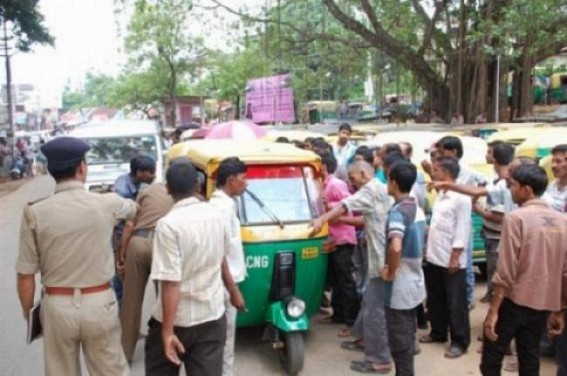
(27, 23)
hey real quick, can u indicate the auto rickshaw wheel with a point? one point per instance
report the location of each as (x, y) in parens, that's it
(292, 354)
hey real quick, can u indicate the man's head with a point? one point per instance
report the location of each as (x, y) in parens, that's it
(517, 162)
(528, 182)
(559, 162)
(489, 149)
(401, 178)
(450, 147)
(329, 163)
(377, 159)
(407, 149)
(445, 169)
(345, 130)
(363, 153)
(391, 159)
(181, 179)
(231, 176)
(143, 169)
(360, 173)
(502, 154)
(389, 148)
(66, 158)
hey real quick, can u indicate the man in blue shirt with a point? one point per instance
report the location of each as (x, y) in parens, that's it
(405, 284)
(142, 171)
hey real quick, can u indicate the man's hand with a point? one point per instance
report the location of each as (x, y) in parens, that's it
(172, 347)
(490, 325)
(237, 300)
(442, 186)
(316, 225)
(453, 265)
(556, 324)
(385, 274)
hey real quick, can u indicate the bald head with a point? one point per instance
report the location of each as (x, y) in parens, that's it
(360, 173)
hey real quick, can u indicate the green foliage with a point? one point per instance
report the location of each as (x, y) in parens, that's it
(27, 23)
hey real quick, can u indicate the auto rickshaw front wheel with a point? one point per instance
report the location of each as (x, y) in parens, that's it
(292, 354)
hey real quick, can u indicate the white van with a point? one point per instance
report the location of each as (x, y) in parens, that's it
(114, 144)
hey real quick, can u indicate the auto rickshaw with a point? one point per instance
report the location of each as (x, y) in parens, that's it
(540, 145)
(286, 268)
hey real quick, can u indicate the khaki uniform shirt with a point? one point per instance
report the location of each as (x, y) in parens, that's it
(154, 202)
(67, 237)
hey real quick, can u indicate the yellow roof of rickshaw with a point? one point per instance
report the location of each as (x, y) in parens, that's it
(204, 152)
(517, 136)
(544, 140)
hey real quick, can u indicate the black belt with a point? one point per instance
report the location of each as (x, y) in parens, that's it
(144, 232)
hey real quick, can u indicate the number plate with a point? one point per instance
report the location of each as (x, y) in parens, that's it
(309, 253)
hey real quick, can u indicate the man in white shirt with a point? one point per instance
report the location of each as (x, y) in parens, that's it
(447, 264)
(188, 261)
(344, 150)
(556, 193)
(452, 147)
(231, 182)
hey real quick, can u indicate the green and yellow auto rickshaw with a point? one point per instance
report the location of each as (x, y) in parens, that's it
(286, 268)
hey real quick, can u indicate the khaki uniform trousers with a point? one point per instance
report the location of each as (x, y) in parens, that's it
(89, 321)
(137, 272)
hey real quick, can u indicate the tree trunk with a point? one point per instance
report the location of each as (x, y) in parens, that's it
(237, 109)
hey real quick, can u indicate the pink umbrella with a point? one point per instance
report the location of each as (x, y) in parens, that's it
(240, 130)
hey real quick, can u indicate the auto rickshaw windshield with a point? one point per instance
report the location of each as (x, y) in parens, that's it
(289, 194)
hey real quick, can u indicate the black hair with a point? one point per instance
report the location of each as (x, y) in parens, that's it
(404, 174)
(559, 149)
(503, 153)
(181, 180)
(449, 165)
(393, 158)
(391, 147)
(452, 143)
(299, 144)
(375, 150)
(142, 163)
(346, 127)
(282, 140)
(329, 161)
(532, 176)
(309, 140)
(365, 153)
(526, 161)
(494, 143)
(321, 144)
(63, 173)
(229, 167)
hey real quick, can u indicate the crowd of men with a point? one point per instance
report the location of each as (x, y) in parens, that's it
(388, 274)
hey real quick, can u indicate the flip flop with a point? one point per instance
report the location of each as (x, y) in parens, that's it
(352, 346)
(368, 367)
(344, 332)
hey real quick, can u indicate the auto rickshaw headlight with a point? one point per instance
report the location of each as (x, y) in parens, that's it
(295, 307)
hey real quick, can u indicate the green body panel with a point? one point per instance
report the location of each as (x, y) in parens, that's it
(310, 277)
(479, 254)
(559, 95)
(278, 316)
(542, 152)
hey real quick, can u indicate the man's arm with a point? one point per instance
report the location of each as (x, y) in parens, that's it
(462, 232)
(126, 235)
(26, 291)
(394, 258)
(489, 215)
(352, 221)
(170, 302)
(334, 213)
(468, 190)
(236, 298)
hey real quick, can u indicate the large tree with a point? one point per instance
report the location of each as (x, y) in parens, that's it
(26, 21)
(159, 40)
(451, 46)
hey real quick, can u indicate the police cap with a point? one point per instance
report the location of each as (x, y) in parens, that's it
(64, 152)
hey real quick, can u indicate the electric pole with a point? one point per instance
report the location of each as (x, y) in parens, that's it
(8, 87)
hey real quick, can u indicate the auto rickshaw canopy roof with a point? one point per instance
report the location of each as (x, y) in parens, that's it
(540, 145)
(207, 152)
(518, 135)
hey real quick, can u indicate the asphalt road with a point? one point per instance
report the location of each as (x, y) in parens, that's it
(253, 357)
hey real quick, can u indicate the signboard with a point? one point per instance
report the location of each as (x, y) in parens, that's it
(270, 99)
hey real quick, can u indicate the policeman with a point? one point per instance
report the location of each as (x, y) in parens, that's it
(67, 239)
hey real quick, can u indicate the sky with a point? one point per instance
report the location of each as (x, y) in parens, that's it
(86, 39)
